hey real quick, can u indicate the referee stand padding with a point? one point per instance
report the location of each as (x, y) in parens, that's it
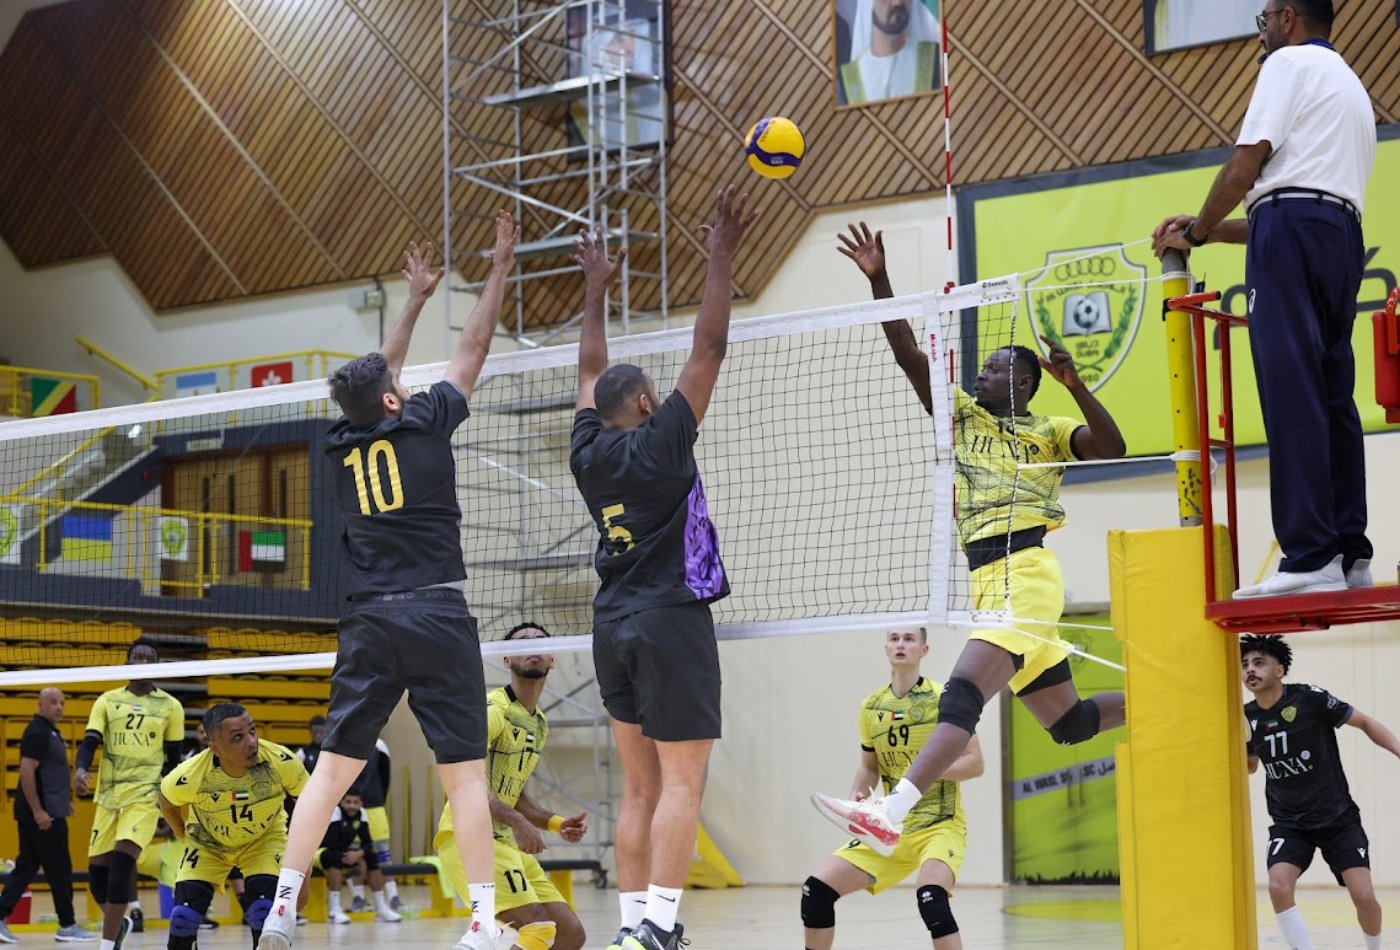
(1183, 799)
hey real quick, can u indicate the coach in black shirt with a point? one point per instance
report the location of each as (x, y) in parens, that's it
(1293, 734)
(42, 806)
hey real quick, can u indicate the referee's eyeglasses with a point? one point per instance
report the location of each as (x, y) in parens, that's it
(1261, 20)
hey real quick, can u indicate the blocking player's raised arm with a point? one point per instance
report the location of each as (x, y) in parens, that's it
(475, 342)
(701, 372)
(599, 274)
(422, 281)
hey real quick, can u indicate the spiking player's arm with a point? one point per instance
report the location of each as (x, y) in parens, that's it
(701, 372)
(475, 342)
(969, 765)
(422, 281)
(599, 274)
(1099, 437)
(174, 815)
(868, 251)
(1375, 730)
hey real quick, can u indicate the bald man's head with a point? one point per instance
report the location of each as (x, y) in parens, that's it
(51, 704)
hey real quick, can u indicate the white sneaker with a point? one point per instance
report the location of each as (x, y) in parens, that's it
(866, 821)
(387, 915)
(338, 917)
(479, 937)
(1359, 577)
(302, 921)
(1329, 578)
(273, 936)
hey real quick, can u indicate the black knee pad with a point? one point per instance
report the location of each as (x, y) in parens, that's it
(961, 704)
(191, 905)
(1080, 724)
(121, 875)
(97, 882)
(937, 914)
(818, 904)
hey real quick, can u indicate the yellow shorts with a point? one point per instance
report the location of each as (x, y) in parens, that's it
(149, 861)
(136, 823)
(519, 878)
(945, 841)
(1037, 593)
(262, 855)
(378, 819)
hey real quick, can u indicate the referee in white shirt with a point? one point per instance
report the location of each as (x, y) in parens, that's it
(1301, 165)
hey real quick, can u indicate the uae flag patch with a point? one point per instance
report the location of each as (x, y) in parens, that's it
(240, 796)
(896, 716)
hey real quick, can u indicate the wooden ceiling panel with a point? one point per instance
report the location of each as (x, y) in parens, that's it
(234, 147)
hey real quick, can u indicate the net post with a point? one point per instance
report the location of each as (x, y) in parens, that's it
(1190, 474)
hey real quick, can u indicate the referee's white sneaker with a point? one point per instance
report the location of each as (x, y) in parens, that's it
(866, 821)
(1359, 576)
(273, 938)
(477, 937)
(1328, 579)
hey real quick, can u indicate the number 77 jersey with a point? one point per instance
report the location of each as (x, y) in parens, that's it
(226, 813)
(1296, 741)
(396, 485)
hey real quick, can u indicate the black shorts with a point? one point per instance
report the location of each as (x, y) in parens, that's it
(421, 641)
(1344, 846)
(660, 668)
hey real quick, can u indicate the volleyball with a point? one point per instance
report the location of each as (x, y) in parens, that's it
(775, 146)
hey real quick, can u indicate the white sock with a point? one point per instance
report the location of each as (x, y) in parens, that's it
(1372, 942)
(380, 903)
(108, 945)
(357, 890)
(283, 916)
(333, 902)
(1295, 931)
(902, 800)
(391, 888)
(634, 907)
(483, 901)
(662, 905)
(134, 905)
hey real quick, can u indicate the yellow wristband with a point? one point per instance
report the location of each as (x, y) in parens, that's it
(556, 823)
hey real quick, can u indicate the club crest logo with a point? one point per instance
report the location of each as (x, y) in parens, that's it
(1090, 301)
(1290, 713)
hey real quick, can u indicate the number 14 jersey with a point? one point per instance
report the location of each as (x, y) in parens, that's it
(227, 813)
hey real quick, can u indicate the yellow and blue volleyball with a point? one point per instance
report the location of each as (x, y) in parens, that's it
(774, 147)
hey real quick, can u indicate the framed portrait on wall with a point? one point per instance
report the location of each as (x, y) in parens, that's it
(885, 49)
(635, 42)
(1179, 24)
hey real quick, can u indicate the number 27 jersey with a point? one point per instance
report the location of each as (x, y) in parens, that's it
(396, 483)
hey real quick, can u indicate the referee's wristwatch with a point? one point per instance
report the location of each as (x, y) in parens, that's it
(1191, 238)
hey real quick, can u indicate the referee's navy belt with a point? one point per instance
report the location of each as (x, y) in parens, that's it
(427, 593)
(1304, 194)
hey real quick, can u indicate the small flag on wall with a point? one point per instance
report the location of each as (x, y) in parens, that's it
(10, 547)
(272, 374)
(196, 384)
(262, 551)
(174, 538)
(52, 397)
(87, 538)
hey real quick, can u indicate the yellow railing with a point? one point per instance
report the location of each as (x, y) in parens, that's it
(141, 558)
(58, 469)
(230, 375)
(126, 368)
(17, 388)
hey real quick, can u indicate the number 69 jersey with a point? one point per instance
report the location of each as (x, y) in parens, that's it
(396, 483)
(895, 728)
(227, 814)
(1296, 740)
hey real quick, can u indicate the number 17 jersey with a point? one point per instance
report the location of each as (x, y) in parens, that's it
(396, 482)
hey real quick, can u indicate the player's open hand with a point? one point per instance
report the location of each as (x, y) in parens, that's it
(1060, 365)
(573, 829)
(592, 256)
(724, 235)
(867, 250)
(418, 270)
(82, 783)
(1168, 234)
(507, 236)
(527, 838)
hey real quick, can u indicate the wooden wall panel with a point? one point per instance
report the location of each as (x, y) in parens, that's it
(225, 148)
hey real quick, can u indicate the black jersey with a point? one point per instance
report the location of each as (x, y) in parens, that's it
(348, 834)
(1296, 741)
(397, 486)
(656, 544)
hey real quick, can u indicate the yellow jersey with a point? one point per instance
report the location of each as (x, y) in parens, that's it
(134, 732)
(514, 740)
(226, 813)
(895, 728)
(992, 500)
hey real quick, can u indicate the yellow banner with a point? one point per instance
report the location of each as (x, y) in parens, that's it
(1115, 331)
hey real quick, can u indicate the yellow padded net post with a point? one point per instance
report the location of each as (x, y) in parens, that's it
(1183, 797)
(1186, 435)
